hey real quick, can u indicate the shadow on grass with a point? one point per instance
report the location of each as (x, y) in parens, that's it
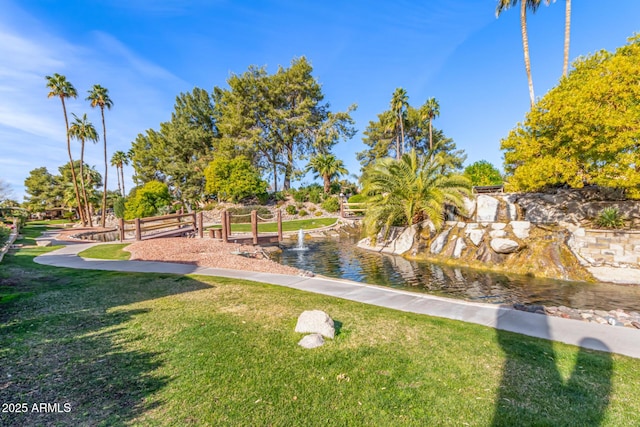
(68, 342)
(534, 392)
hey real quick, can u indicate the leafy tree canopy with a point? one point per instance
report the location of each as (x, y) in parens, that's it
(147, 200)
(585, 131)
(233, 180)
(483, 173)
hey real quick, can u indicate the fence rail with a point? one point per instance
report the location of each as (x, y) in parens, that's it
(352, 208)
(173, 225)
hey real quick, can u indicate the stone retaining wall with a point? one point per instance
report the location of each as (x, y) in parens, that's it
(610, 247)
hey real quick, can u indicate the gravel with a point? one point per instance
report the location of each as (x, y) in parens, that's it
(207, 253)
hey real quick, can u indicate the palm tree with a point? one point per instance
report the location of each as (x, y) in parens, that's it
(59, 86)
(431, 111)
(409, 190)
(328, 167)
(399, 103)
(119, 159)
(524, 5)
(82, 130)
(99, 97)
(567, 31)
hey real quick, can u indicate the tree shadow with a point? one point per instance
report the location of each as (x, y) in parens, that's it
(534, 392)
(72, 342)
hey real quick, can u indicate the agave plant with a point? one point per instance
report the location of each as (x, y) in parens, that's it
(610, 218)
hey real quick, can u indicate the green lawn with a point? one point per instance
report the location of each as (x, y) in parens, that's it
(161, 349)
(107, 251)
(295, 225)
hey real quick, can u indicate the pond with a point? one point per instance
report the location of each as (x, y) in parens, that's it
(341, 258)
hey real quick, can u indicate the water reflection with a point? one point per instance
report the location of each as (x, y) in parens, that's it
(340, 258)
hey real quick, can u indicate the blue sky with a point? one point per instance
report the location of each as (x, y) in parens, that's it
(146, 52)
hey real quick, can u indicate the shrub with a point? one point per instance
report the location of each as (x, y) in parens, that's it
(302, 212)
(318, 213)
(118, 207)
(312, 208)
(279, 196)
(233, 180)
(610, 218)
(331, 204)
(357, 198)
(315, 195)
(291, 210)
(147, 200)
(299, 196)
(299, 205)
(209, 206)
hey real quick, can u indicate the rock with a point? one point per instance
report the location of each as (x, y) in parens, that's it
(521, 229)
(498, 226)
(497, 233)
(475, 235)
(487, 208)
(459, 247)
(635, 325)
(311, 341)
(469, 207)
(316, 322)
(438, 244)
(504, 246)
(405, 240)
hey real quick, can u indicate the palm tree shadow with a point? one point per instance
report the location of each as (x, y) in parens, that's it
(533, 392)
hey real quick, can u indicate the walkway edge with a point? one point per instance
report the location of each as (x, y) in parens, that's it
(614, 339)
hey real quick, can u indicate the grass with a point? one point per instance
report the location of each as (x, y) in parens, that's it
(294, 225)
(107, 251)
(161, 349)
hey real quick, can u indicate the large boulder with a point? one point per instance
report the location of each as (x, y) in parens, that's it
(504, 246)
(438, 243)
(487, 208)
(459, 247)
(316, 322)
(521, 229)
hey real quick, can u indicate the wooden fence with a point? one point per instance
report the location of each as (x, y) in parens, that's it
(174, 225)
(349, 209)
(224, 233)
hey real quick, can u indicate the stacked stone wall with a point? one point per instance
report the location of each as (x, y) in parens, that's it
(607, 247)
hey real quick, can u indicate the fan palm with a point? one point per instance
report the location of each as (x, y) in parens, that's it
(524, 5)
(328, 167)
(119, 159)
(82, 130)
(409, 190)
(99, 97)
(399, 103)
(59, 86)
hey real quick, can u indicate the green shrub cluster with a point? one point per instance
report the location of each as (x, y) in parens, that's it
(331, 204)
(291, 210)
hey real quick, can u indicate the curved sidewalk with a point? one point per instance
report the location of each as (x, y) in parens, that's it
(614, 339)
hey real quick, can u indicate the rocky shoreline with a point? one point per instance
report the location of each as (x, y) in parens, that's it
(613, 317)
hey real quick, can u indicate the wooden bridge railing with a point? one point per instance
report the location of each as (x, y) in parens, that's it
(224, 232)
(162, 226)
(350, 208)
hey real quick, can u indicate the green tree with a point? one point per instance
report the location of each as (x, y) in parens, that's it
(233, 179)
(430, 110)
(147, 200)
(399, 104)
(119, 159)
(585, 130)
(60, 87)
(43, 190)
(327, 167)
(82, 130)
(524, 5)
(279, 117)
(409, 190)
(99, 97)
(483, 173)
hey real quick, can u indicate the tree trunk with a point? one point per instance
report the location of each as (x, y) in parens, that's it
(288, 169)
(567, 31)
(327, 184)
(124, 192)
(84, 190)
(525, 48)
(397, 147)
(402, 131)
(103, 217)
(73, 172)
(430, 134)
(118, 176)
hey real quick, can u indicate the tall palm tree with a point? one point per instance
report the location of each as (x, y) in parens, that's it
(399, 103)
(567, 31)
(328, 167)
(119, 159)
(524, 5)
(409, 190)
(82, 130)
(99, 97)
(59, 86)
(431, 111)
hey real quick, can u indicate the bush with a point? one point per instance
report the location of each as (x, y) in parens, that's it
(118, 207)
(233, 180)
(279, 196)
(312, 208)
(291, 210)
(209, 206)
(147, 200)
(610, 218)
(315, 195)
(300, 205)
(357, 198)
(331, 204)
(302, 212)
(299, 196)
(318, 213)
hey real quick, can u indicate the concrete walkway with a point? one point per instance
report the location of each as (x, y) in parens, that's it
(614, 339)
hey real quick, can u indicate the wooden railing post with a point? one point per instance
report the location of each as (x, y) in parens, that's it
(254, 226)
(138, 229)
(224, 218)
(279, 217)
(341, 208)
(200, 224)
(122, 229)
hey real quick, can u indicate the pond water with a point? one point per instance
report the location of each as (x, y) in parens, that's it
(341, 258)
